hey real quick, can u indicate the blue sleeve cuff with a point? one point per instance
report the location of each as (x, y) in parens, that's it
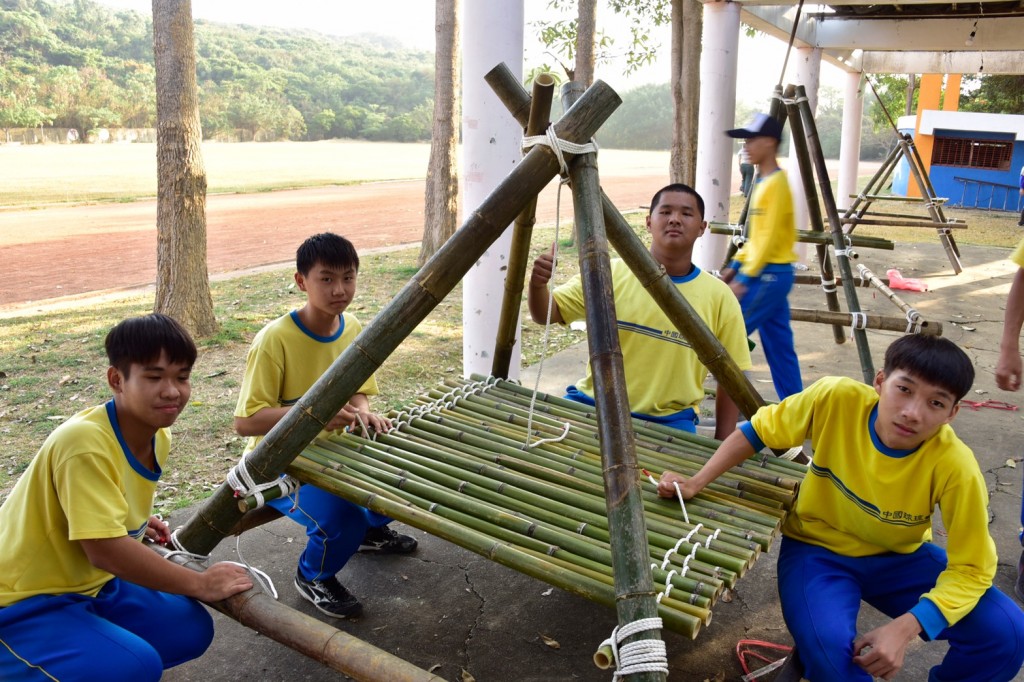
(931, 619)
(751, 435)
(744, 279)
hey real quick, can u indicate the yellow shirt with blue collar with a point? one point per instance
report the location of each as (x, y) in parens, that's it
(862, 498)
(83, 484)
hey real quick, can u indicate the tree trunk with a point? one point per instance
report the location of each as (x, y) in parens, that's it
(687, 27)
(909, 107)
(442, 187)
(182, 282)
(586, 49)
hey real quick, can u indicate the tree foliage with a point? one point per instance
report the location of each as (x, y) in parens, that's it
(996, 94)
(77, 64)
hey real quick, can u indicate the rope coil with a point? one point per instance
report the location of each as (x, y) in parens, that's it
(244, 485)
(641, 656)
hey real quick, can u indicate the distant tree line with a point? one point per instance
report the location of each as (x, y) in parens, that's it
(77, 64)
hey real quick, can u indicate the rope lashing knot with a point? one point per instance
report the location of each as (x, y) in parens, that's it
(913, 322)
(641, 656)
(244, 485)
(858, 321)
(828, 285)
(558, 145)
(682, 503)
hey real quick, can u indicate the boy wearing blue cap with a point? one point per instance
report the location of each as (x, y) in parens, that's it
(761, 275)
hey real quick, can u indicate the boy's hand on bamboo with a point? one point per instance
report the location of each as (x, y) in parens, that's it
(667, 486)
(222, 580)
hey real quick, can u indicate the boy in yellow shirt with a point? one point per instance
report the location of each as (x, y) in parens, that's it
(80, 596)
(861, 527)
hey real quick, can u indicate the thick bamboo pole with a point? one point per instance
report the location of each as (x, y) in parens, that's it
(803, 158)
(905, 222)
(414, 302)
(337, 650)
(682, 315)
(634, 587)
(863, 321)
(522, 233)
(913, 317)
(846, 273)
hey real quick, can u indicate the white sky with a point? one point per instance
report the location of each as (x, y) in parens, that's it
(412, 22)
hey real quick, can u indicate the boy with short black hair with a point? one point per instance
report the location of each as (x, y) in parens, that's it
(664, 376)
(79, 593)
(861, 527)
(285, 360)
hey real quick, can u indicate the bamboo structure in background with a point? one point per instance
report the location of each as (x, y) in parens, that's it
(812, 237)
(799, 139)
(456, 466)
(414, 302)
(838, 238)
(522, 234)
(913, 317)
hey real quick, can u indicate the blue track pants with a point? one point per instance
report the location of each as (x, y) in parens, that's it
(334, 528)
(765, 308)
(126, 632)
(821, 592)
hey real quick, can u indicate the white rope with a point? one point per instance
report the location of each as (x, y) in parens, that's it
(641, 656)
(682, 503)
(261, 578)
(244, 485)
(913, 322)
(558, 145)
(406, 416)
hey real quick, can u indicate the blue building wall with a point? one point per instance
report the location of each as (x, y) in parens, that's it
(984, 188)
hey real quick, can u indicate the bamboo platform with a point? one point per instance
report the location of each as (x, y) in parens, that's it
(457, 467)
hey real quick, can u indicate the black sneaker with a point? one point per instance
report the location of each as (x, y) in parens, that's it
(386, 541)
(1018, 587)
(328, 596)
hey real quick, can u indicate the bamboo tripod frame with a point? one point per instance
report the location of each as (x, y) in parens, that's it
(457, 467)
(859, 211)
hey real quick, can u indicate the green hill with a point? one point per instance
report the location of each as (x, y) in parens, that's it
(77, 64)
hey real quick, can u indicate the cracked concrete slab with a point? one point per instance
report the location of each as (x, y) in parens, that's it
(449, 610)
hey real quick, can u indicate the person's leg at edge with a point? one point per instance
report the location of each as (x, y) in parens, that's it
(50, 637)
(334, 529)
(986, 645)
(820, 602)
(765, 308)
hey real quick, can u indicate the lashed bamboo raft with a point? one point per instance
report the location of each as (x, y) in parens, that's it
(456, 467)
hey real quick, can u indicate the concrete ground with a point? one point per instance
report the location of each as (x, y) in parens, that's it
(463, 617)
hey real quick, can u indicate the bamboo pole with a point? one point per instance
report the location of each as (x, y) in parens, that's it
(815, 280)
(334, 648)
(934, 210)
(881, 322)
(634, 587)
(922, 222)
(522, 233)
(846, 273)
(798, 138)
(810, 237)
(414, 302)
(913, 317)
(874, 184)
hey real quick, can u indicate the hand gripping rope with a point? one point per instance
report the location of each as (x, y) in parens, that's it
(259, 577)
(558, 145)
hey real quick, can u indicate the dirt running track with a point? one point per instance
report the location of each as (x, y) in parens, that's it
(69, 251)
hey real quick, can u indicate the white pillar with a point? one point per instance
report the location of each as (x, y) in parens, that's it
(807, 61)
(717, 113)
(849, 144)
(492, 32)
